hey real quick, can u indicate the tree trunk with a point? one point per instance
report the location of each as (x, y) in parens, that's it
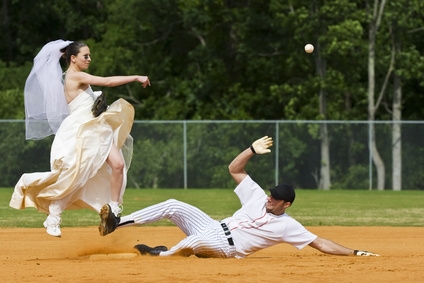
(325, 181)
(397, 135)
(378, 162)
(377, 11)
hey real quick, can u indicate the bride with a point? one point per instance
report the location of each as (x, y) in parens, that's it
(90, 155)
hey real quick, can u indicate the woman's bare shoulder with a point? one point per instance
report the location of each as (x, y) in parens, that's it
(73, 87)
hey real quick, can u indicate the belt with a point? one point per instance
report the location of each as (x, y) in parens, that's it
(227, 233)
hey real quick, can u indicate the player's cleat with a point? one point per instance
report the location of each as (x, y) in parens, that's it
(143, 249)
(108, 220)
(52, 225)
(364, 253)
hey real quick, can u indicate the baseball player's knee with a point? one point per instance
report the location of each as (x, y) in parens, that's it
(172, 202)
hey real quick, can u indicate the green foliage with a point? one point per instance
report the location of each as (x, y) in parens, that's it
(12, 104)
(225, 60)
(28, 25)
(192, 154)
(12, 81)
(155, 156)
(19, 155)
(357, 176)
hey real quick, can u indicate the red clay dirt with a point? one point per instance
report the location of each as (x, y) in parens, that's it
(30, 255)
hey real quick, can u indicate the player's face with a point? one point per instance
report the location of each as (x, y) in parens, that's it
(83, 59)
(276, 206)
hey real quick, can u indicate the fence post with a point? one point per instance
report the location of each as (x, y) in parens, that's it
(277, 151)
(185, 152)
(370, 129)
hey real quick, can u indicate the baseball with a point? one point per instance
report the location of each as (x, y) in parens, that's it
(309, 48)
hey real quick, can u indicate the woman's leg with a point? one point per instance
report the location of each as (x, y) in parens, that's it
(53, 220)
(117, 164)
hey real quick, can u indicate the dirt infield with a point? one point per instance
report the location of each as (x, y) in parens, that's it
(30, 255)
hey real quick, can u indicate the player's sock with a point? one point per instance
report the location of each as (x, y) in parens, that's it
(114, 205)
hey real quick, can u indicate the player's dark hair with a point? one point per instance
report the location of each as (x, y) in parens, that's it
(72, 49)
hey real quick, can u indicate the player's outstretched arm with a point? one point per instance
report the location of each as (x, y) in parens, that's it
(236, 167)
(330, 247)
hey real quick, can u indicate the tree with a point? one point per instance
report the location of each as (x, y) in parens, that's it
(336, 32)
(404, 18)
(375, 14)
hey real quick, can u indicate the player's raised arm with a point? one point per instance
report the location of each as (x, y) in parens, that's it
(238, 164)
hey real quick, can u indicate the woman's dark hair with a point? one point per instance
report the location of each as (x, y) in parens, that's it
(72, 49)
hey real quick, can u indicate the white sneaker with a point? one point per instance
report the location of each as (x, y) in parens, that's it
(52, 225)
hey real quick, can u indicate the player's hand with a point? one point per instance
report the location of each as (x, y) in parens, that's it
(146, 83)
(144, 80)
(364, 253)
(261, 145)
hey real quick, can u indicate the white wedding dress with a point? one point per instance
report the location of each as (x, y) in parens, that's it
(80, 175)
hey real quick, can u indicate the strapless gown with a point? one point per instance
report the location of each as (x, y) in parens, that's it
(79, 172)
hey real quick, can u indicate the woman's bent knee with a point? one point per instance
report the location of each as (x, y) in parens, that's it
(117, 167)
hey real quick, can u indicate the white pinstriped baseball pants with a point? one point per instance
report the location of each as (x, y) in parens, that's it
(205, 236)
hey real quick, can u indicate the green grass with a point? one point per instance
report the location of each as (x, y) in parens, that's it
(311, 207)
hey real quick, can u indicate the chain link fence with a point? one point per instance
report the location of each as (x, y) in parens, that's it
(196, 154)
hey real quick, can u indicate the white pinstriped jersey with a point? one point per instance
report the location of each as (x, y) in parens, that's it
(253, 229)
